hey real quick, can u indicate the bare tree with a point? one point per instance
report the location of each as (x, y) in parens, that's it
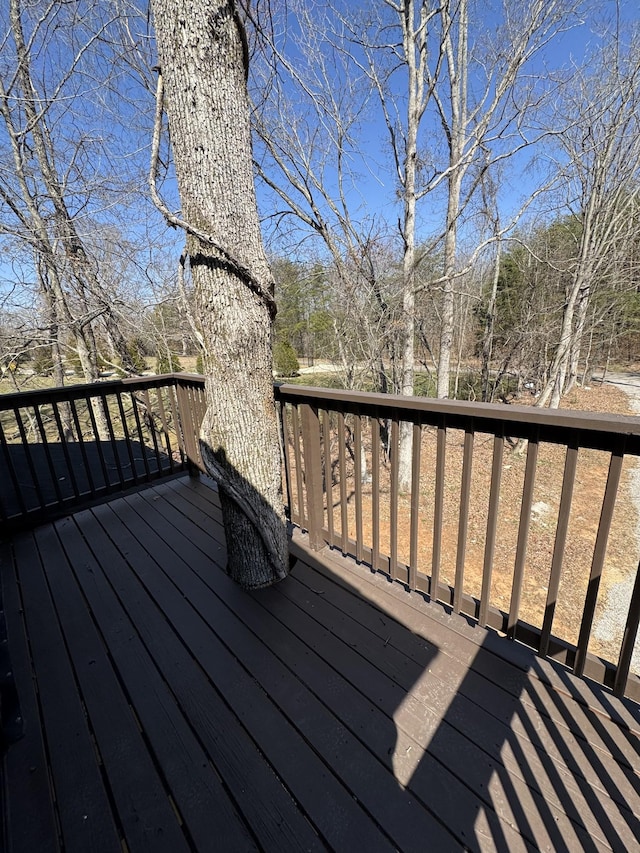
(599, 164)
(306, 128)
(452, 97)
(203, 60)
(45, 178)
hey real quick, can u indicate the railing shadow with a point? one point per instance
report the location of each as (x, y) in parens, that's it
(384, 721)
(482, 745)
(37, 476)
(437, 734)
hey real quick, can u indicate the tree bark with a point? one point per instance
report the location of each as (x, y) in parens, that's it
(489, 328)
(202, 51)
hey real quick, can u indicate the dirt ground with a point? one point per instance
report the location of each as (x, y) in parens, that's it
(591, 476)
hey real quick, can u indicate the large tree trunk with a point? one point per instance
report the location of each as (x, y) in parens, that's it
(202, 52)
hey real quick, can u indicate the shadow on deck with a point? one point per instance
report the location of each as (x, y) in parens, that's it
(165, 709)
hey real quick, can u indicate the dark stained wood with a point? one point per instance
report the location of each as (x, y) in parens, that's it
(463, 517)
(568, 482)
(9, 466)
(143, 447)
(199, 795)
(375, 492)
(394, 448)
(288, 496)
(342, 469)
(492, 525)
(45, 446)
(266, 805)
(357, 479)
(295, 435)
(65, 450)
(26, 762)
(330, 807)
(629, 638)
(148, 419)
(112, 436)
(597, 563)
(82, 801)
(335, 710)
(165, 426)
(415, 505)
(523, 537)
(438, 511)
(327, 471)
(83, 451)
(146, 815)
(313, 468)
(26, 448)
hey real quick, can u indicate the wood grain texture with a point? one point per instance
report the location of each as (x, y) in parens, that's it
(334, 711)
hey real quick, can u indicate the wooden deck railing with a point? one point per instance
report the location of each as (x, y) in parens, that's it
(62, 447)
(518, 518)
(515, 516)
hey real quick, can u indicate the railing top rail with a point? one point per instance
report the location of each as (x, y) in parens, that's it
(42, 396)
(518, 421)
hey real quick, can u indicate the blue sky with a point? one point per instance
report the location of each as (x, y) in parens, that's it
(118, 136)
(374, 191)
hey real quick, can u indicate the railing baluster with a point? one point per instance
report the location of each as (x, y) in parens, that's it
(112, 437)
(492, 526)
(202, 404)
(599, 552)
(196, 416)
(65, 451)
(25, 473)
(328, 471)
(313, 474)
(151, 427)
(127, 438)
(72, 456)
(83, 450)
(28, 457)
(375, 493)
(188, 428)
(463, 520)
(393, 509)
(415, 506)
(284, 417)
(47, 455)
(12, 472)
(438, 510)
(172, 391)
(357, 477)
(342, 468)
(165, 425)
(99, 447)
(143, 446)
(295, 427)
(523, 536)
(629, 639)
(568, 481)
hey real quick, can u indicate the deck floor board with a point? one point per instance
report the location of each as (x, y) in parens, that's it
(26, 762)
(199, 795)
(81, 797)
(167, 709)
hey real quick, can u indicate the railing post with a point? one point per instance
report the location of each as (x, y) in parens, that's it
(187, 427)
(313, 474)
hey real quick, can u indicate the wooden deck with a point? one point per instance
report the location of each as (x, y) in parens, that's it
(164, 709)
